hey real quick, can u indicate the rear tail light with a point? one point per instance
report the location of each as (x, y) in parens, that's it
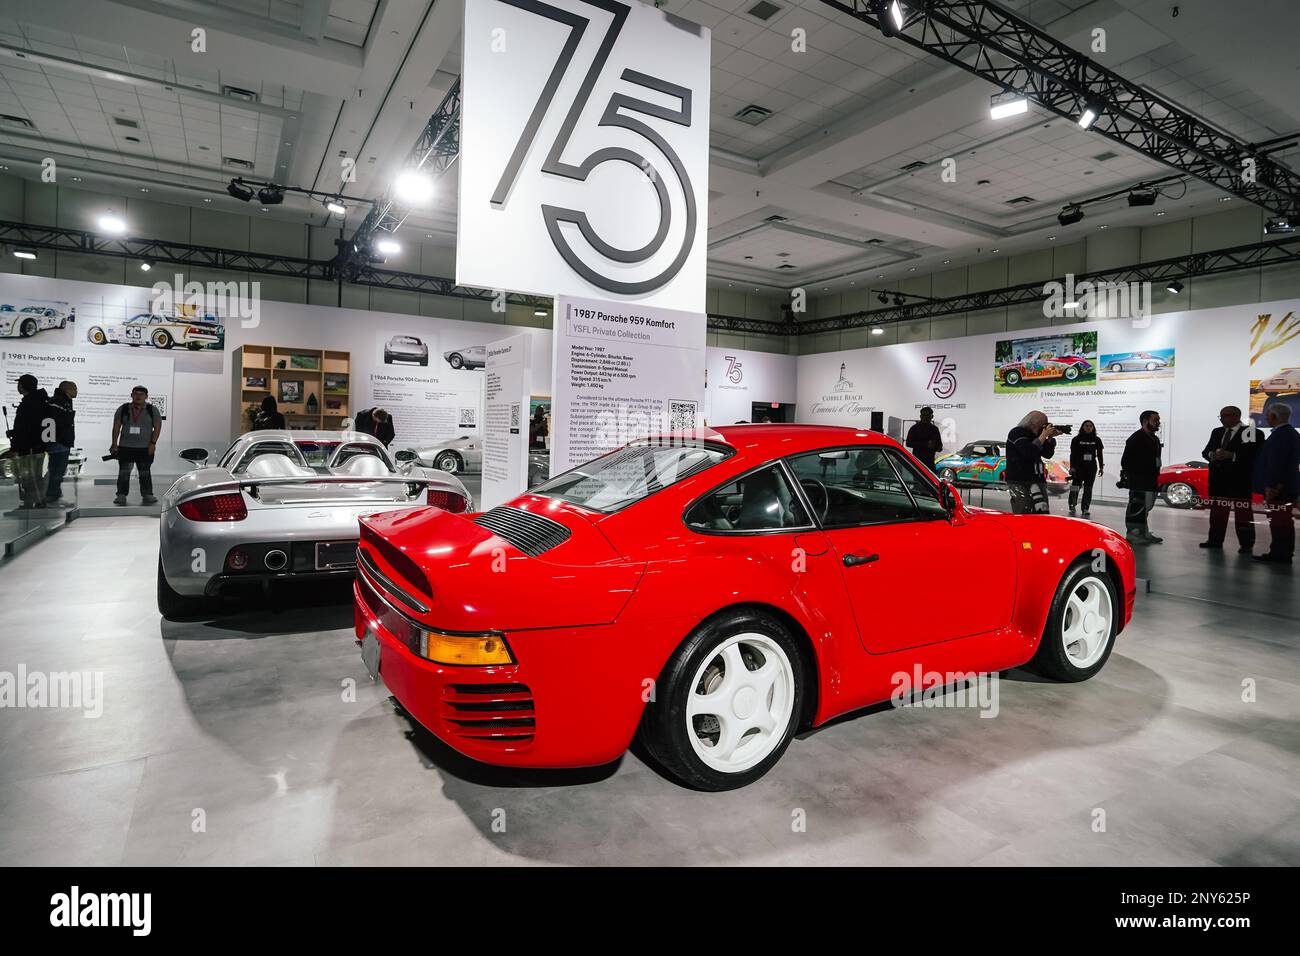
(447, 500)
(225, 507)
(193, 331)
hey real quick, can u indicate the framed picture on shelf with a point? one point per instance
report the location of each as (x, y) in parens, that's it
(290, 391)
(304, 361)
(255, 381)
(336, 383)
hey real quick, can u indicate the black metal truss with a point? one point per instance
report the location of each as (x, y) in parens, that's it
(992, 43)
(436, 149)
(1216, 262)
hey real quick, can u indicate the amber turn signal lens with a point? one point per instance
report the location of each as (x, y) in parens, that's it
(480, 649)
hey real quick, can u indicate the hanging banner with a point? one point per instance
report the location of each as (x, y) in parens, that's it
(622, 372)
(589, 124)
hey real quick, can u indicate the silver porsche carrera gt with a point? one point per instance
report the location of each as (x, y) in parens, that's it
(282, 504)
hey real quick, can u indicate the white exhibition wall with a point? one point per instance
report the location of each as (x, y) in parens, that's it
(199, 410)
(736, 378)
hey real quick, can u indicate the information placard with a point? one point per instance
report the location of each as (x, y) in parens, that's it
(505, 420)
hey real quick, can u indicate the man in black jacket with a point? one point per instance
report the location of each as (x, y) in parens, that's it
(65, 436)
(924, 439)
(377, 422)
(1027, 445)
(1140, 471)
(1231, 453)
(33, 428)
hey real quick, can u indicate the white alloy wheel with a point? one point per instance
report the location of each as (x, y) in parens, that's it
(1179, 494)
(1085, 630)
(740, 702)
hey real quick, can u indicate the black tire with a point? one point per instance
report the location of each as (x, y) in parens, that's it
(95, 335)
(665, 726)
(1116, 367)
(172, 605)
(29, 328)
(1051, 659)
(1012, 378)
(456, 360)
(161, 340)
(1071, 373)
(448, 457)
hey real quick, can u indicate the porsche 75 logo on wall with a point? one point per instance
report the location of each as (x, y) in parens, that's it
(588, 124)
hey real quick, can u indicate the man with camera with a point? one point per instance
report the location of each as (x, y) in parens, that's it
(136, 427)
(1033, 440)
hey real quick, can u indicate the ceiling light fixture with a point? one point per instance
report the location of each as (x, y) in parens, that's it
(112, 223)
(388, 247)
(1174, 287)
(28, 254)
(270, 195)
(1007, 103)
(146, 266)
(877, 331)
(1281, 226)
(1144, 196)
(336, 207)
(1089, 115)
(240, 191)
(413, 187)
(540, 313)
(1070, 214)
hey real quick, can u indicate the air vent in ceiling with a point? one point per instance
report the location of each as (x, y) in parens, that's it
(237, 163)
(1020, 201)
(23, 121)
(239, 93)
(123, 121)
(1103, 157)
(763, 10)
(911, 166)
(775, 218)
(753, 115)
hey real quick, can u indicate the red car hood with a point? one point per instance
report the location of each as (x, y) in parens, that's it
(472, 579)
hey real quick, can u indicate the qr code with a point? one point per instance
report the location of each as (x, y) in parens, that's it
(681, 416)
(468, 418)
(514, 417)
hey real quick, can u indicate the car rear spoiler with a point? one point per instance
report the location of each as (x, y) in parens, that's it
(251, 485)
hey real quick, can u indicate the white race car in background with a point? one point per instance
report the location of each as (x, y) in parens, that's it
(1287, 380)
(27, 321)
(160, 331)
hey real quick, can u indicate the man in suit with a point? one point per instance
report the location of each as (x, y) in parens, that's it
(1231, 453)
(1277, 478)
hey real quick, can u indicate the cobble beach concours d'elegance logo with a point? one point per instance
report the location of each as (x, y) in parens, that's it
(844, 398)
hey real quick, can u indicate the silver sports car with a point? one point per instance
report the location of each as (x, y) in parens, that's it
(282, 504)
(455, 455)
(1137, 362)
(473, 357)
(406, 348)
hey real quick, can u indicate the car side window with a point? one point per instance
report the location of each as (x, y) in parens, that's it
(849, 487)
(762, 500)
(923, 490)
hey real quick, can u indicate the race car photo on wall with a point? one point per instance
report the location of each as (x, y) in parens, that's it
(282, 505)
(666, 564)
(473, 357)
(982, 463)
(1046, 367)
(27, 321)
(160, 331)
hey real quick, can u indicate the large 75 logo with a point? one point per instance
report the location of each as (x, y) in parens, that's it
(616, 113)
(943, 378)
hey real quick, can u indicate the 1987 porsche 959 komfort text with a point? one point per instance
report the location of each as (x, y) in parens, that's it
(716, 592)
(282, 504)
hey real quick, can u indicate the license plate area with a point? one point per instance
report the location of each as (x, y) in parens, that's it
(336, 555)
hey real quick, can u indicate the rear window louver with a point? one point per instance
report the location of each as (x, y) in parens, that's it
(530, 533)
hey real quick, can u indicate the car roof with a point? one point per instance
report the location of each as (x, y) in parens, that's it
(300, 435)
(773, 440)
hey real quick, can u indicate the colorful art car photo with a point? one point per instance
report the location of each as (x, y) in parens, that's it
(1068, 368)
(983, 462)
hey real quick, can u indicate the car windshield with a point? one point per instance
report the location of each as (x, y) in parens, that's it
(632, 473)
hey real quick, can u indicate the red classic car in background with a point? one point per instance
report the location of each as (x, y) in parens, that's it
(715, 592)
(1188, 485)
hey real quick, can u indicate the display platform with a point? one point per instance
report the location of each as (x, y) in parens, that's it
(263, 726)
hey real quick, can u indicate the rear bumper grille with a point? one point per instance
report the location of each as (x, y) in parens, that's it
(532, 534)
(498, 715)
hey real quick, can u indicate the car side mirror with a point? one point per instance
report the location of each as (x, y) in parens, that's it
(195, 456)
(405, 455)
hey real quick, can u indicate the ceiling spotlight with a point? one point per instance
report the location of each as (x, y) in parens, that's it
(1174, 287)
(388, 247)
(336, 207)
(240, 191)
(1142, 197)
(270, 195)
(1070, 214)
(877, 331)
(884, 298)
(898, 300)
(1007, 103)
(25, 253)
(890, 15)
(540, 313)
(413, 187)
(1089, 115)
(146, 266)
(1281, 226)
(112, 223)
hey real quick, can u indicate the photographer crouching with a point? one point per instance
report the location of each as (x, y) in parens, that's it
(1033, 440)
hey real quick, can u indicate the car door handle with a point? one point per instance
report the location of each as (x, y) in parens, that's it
(853, 560)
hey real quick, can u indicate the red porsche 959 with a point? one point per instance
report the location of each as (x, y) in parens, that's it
(716, 592)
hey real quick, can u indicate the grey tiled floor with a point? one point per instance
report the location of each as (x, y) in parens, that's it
(245, 724)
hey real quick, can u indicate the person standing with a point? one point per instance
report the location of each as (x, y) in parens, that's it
(28, 438)
(1027, 445)
(1277, 478)
(269, 416)
(377, 422)
(1231, 452)
(1085, 464)
(136, 427)
(1140, 472)
(924, 440)
(65, 436)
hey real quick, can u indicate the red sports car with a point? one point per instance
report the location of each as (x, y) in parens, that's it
(1188, 485)
(716, 592)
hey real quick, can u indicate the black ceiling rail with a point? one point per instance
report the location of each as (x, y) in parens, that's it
(996, 45)
(1190, 266)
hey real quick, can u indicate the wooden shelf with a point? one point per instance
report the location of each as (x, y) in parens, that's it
(265, 360)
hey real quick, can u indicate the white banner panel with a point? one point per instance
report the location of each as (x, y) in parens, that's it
(737, 378)
(505, 420)
(430, 397)
(622, 372)
(588, 125)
